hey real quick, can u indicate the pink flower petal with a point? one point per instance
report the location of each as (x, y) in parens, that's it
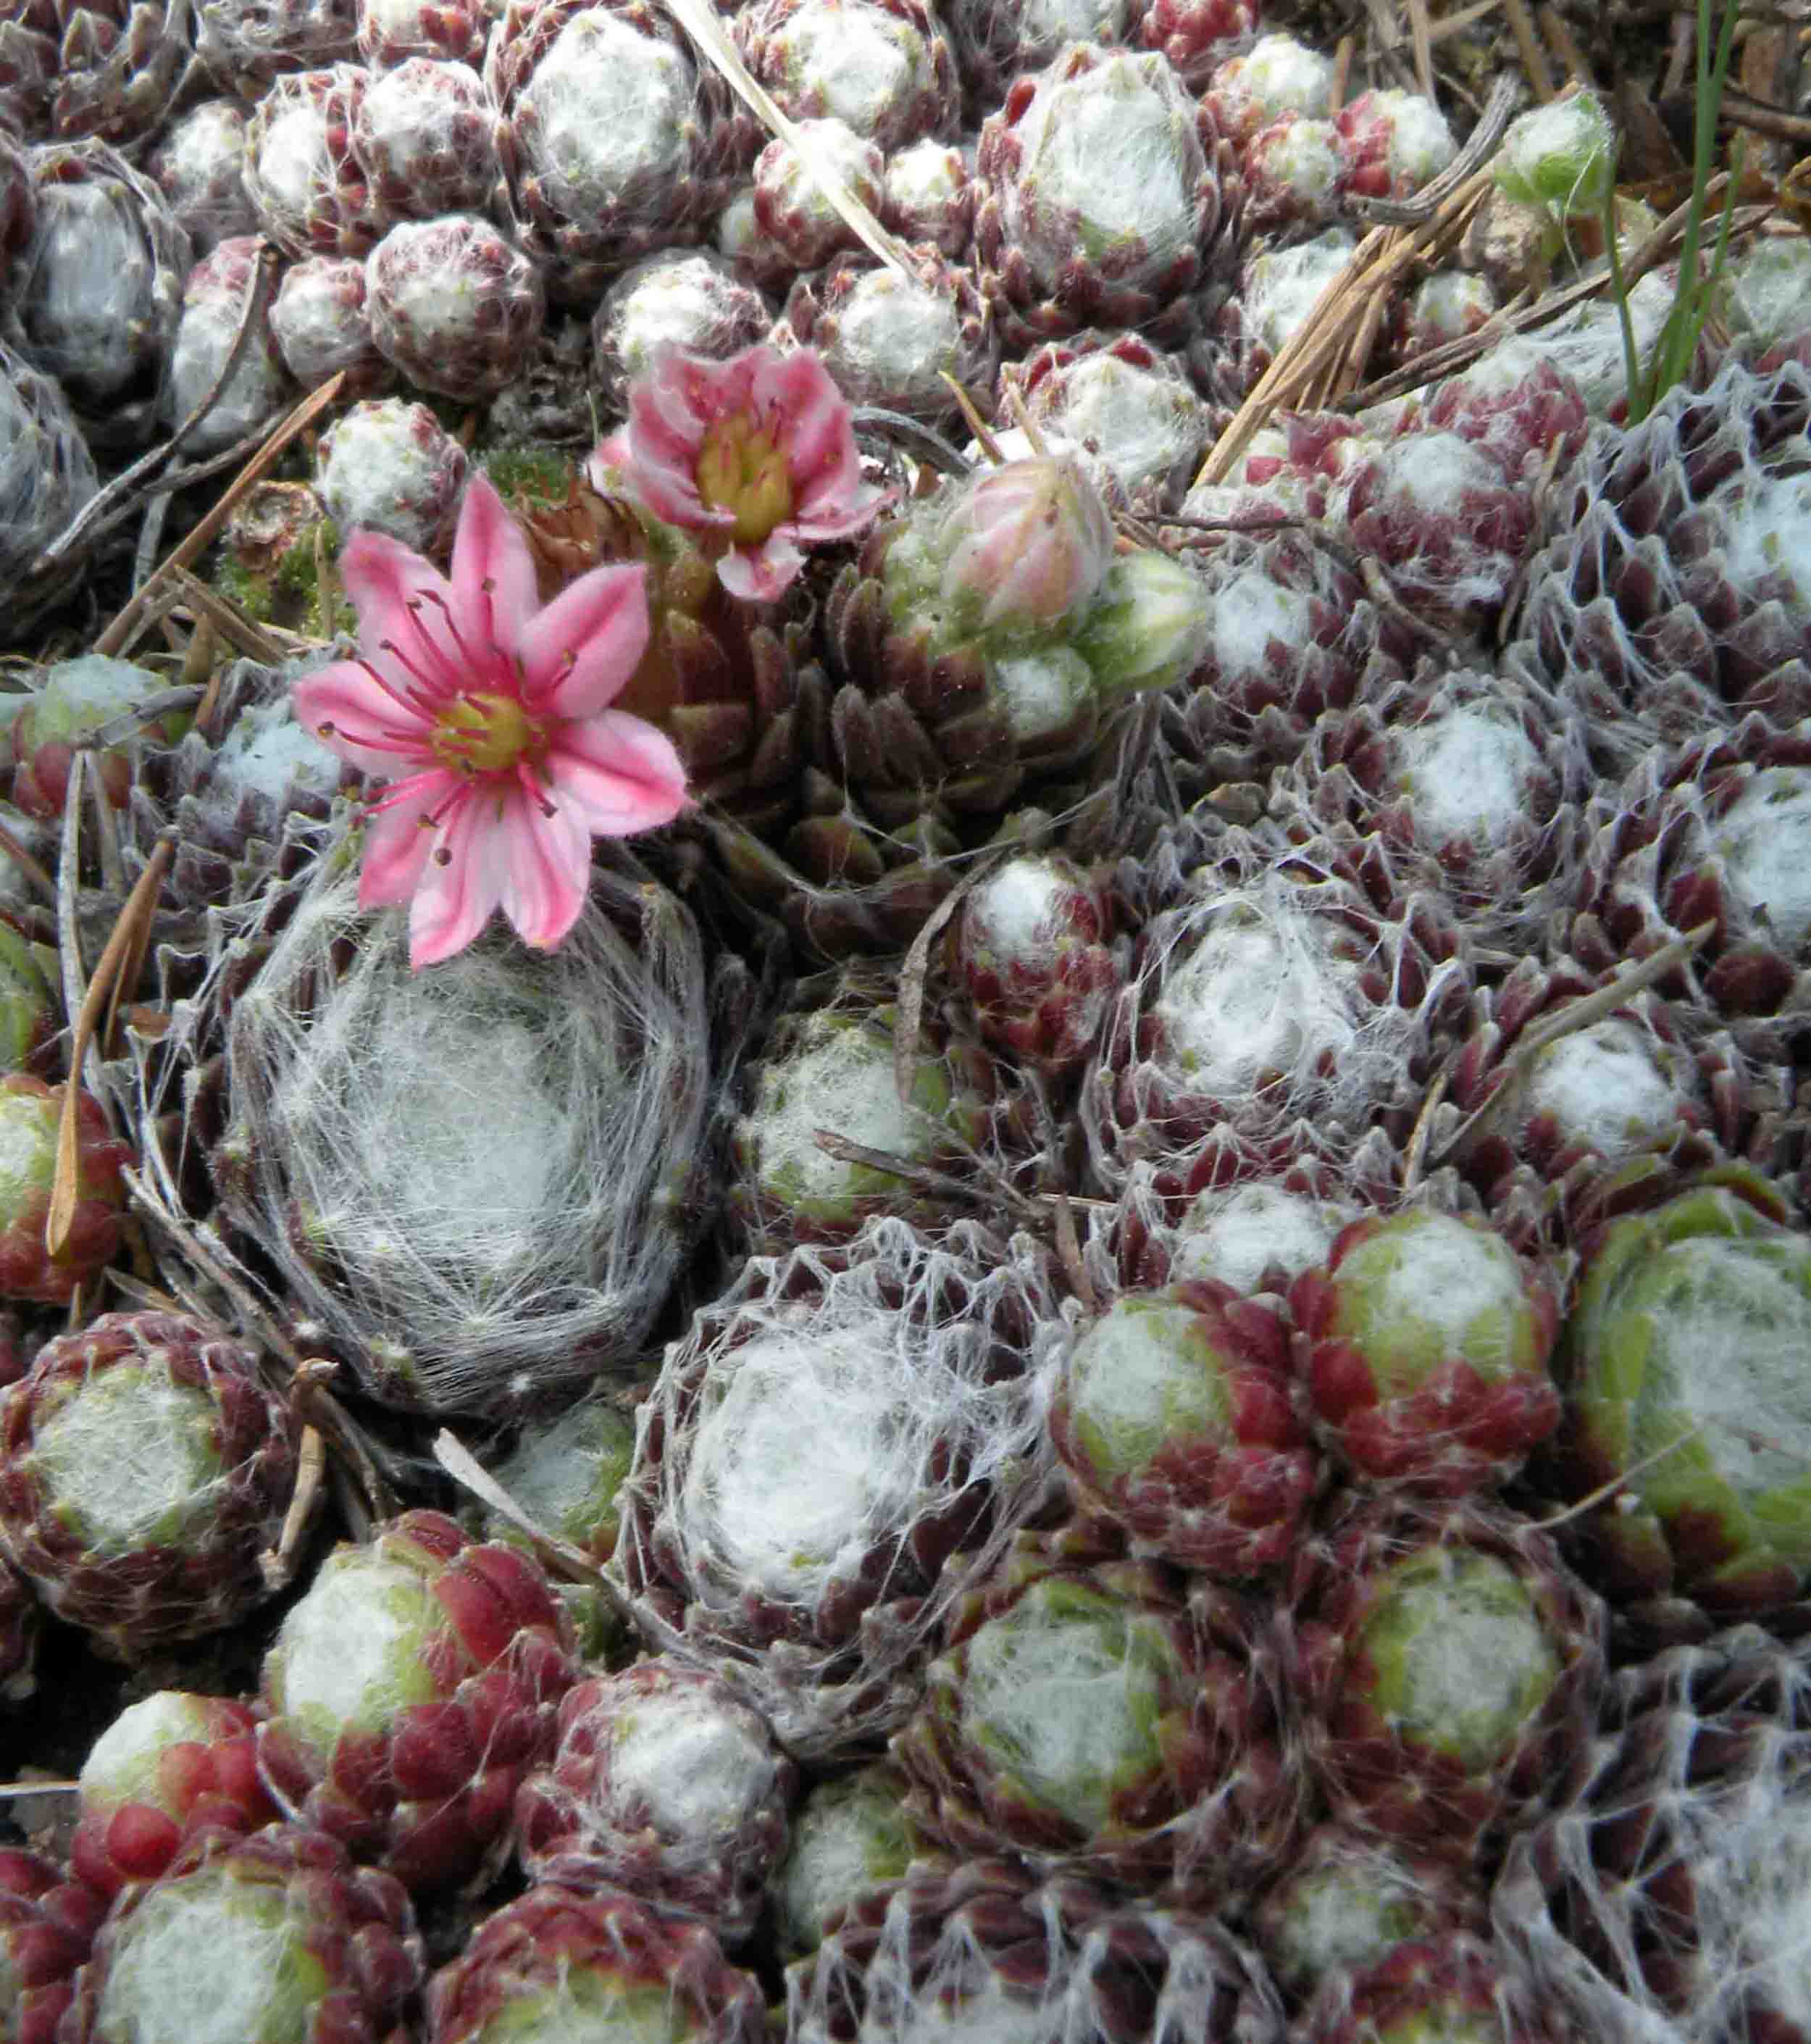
(491, 548)
(396, 845)
(618, 773)
(578, 653)
(382, 578)
(354, 716)
(758, 575)
(547, 873)
(462, 880)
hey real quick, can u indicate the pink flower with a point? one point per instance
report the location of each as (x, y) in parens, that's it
(489, 717)
(757, 453)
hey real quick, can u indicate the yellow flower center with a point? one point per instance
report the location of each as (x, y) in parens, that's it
(485, 733)
(742, 469)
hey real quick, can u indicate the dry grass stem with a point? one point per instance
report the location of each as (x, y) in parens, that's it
(126, 941)
(190, 550)
(1449, 25)
(1422, 42)
(1375, 267)
(1564, 45)
(1530, 49)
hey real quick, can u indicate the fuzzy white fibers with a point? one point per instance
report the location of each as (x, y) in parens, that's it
(607, 112)
(1112, 167)
(806, 1438)
(207, 1959)
(1236, 1233)
(1612, 1086)
(1469, 775)
(934, 1979)
(479, 1171)
(1763, 842)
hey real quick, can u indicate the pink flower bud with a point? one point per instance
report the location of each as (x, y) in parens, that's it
(1029, 541)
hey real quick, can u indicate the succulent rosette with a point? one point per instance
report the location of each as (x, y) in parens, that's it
(608, 142)
(75, 701)
(1130, 406)
(1100, 198)
(453, 305)
(312, 193)
(31, 1114)
(814, 1564)
(1672, 596)
(663, 1783)
(893, 338)
(145, 1468)
(987, 1950)
(682, 297)
(1174, 1418)
(1426, 1342)
(101, 67)
(1680, 1360)
(1613, 1086)
(1348, 1900)
(411, 1751)
(1480, 773)
(1516, 401)
(600, 1963)
(352, 1154)
(246, 43)
(883, 67)
(1665, 1898)
(1098, 1718)
(168, 1768)
(1291, 634)
(1268, 988)
(1456, 1987)
(1447, 1665)
(1031, 946)
(48, 1923)
(835, 1067)
(848, 1834)
(277, 1936)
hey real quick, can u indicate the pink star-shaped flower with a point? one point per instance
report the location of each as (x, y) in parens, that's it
(757, 454)
(488, 716)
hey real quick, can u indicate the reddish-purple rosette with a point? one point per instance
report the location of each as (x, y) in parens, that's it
(1424, 1342)
(664, 1783)
(1176, 1419)
(411, 1690)
(559, 1963)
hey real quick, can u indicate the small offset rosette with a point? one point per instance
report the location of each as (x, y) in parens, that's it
(1269, 987)
(275, 1935)
(145, 1468)
(1665, 1896)
(1672, 597)
(1175, 1418)
(988, 1949)
(816, 1561)
(1456, 1987)
(557, 1963)
(666, 1783)
(1099, 1719)
(168, 1768)
(410, 1751)
(1447, 1667)
(1424, 1343)
(1683, 1364)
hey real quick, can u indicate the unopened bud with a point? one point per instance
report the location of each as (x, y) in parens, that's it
(1029, 542)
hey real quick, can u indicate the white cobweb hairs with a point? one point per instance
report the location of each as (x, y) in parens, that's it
(1670, 1901)
(817, 1446)
(479, 1181)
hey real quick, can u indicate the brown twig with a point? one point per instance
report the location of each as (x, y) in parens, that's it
(1563, 43)
(1529, 48)
(140, 905)
(1480, 146)
(228, 620)
(190, 550)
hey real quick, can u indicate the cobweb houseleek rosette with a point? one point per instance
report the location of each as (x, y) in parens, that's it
(1175, 1417)
(989, 1950)
(664, 1783)
(1446, 1667)
(1424, 1343)
(1458, 1988)
(145, 1468)
(410, 1751)
(1682, 1362)
(1107, 1719)
(815, 1563)
(277, 1936)
(599, 1963)
(1665, 1898)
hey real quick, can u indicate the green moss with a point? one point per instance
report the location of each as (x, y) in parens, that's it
(529, 475)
